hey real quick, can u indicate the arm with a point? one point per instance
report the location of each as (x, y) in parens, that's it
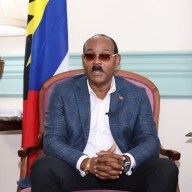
(145, 137)
(63, 137)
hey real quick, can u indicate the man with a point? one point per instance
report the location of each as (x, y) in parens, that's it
(100, 133)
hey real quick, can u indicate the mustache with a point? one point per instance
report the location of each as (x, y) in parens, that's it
(97, 68)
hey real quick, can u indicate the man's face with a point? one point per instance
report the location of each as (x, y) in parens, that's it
(98, 70)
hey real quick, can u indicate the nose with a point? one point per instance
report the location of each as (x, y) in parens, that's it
(97, 60)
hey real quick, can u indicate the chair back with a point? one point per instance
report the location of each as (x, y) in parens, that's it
(139, 80)
(150, 87)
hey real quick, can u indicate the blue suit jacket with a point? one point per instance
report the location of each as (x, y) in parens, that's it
(67, 121)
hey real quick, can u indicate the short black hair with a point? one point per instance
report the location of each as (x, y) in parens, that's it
(103, 35)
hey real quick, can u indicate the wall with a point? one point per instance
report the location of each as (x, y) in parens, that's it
(175, 122)
(150, 25)
(141, 29)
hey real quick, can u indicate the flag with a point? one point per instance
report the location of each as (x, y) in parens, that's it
(46, 54)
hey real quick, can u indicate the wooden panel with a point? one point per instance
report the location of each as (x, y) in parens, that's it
(10, 125)
(170, 71)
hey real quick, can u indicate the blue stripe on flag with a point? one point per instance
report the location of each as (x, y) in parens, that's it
(49, 43)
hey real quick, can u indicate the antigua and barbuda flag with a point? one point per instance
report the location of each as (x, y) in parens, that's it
(46, 55)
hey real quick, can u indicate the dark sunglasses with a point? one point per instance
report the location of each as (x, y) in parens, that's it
(101, 56)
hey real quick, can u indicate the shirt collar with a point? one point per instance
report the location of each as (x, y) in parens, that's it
(111, 90)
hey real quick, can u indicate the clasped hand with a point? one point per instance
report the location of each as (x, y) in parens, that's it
(107, 164)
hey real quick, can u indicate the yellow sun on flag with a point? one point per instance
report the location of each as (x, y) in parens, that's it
(36, 9)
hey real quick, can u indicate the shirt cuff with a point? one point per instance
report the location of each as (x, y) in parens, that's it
(80, 160)
(133, 163)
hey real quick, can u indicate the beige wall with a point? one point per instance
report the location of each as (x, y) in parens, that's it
(175, 123)
(150, 25)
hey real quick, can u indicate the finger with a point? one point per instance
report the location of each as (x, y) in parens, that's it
(102, 178)
(107, 177)
(110, 154)
(106, 158)
(107, 171)
(109, 165)
(113, 148)
(114, 173)
(115, 165)
(101, 173)
(110, 157)
(106, 164)
(102, 168)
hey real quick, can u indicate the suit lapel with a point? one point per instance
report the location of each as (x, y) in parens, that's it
(83, 102)
(117, 98)
(116, 102)
(116, 107)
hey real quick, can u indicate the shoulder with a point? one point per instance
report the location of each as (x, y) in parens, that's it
(72, 81)
(122, 83)
(68, 86)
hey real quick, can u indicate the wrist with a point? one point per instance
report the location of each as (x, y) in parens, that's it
(86, 165)
(126, 164)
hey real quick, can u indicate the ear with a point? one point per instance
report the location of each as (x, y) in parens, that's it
(117, 61)
(83, 59)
